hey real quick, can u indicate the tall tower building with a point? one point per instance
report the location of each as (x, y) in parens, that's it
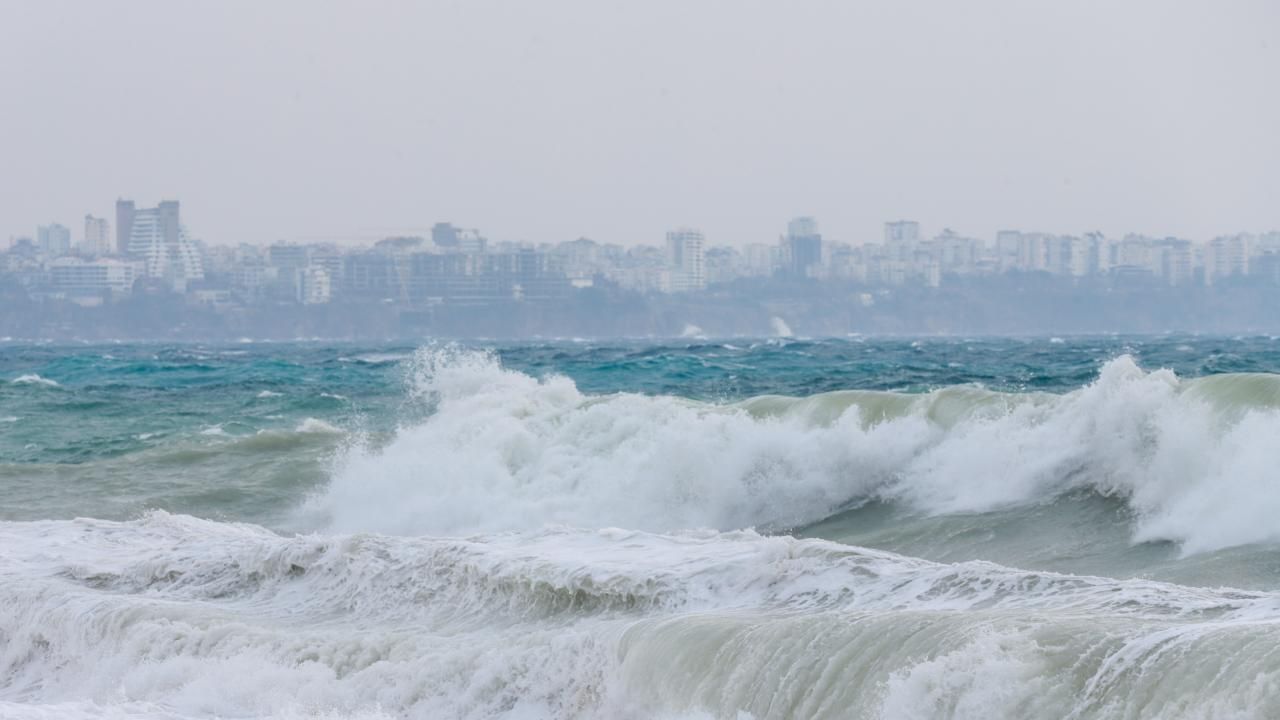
(804, 247)
(97, 237)
(170, 226)
(686, 259)
(156, 236)
(124, 224)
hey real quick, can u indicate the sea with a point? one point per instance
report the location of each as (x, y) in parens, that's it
(1079, 527)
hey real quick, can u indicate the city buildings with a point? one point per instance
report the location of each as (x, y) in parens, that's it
(53, 240)
(451, 269)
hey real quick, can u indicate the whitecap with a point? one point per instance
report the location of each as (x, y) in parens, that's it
(34, 379)
(317, 426)
(506, 451)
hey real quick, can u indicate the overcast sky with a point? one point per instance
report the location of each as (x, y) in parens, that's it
(552, 120)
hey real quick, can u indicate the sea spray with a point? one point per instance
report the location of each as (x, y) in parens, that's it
(214, 619)
(506, 451)
(496, 540)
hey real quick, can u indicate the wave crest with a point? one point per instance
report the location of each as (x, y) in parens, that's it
(505, 451)
(35, 379)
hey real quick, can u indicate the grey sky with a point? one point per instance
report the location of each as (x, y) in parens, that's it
(553, 120)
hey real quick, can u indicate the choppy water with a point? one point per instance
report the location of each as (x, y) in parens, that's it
(1081, 528)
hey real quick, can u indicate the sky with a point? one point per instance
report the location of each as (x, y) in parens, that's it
(543, 122)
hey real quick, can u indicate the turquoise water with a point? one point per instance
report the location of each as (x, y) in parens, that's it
(111, 400)
(931, 527)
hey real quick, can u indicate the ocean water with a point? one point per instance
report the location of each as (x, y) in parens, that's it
(782, 528)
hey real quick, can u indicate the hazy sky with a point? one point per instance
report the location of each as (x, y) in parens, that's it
(546, 121)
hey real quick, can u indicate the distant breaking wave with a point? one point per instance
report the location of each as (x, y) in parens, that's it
(1194, 460)
(34, 379)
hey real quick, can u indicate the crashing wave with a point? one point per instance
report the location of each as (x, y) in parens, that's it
(206, 619)
(503, 451)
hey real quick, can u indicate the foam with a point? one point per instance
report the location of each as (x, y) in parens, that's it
(506, 451)
(172, 616)
(34, 379)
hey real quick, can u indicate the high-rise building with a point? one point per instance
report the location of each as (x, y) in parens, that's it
(97, 237)
(313, 285)
(1227, 256)
(54, 240)
(804, 247)
(124, 225)
(901, 232)
(157, 237)
(686, 259)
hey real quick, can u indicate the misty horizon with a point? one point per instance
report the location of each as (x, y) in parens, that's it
(306, 121)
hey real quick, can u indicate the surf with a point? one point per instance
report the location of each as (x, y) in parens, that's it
(198, 618)
(500, 450)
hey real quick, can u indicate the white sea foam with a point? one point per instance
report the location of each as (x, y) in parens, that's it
(505, 451)
(268, 394)
(191, 618)
(377, 358)
(504, 609)
(314, 425)
(34, 379)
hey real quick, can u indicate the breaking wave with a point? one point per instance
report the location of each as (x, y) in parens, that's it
(196, 618)
(34, 379)
(1194, 460)
(520, 549)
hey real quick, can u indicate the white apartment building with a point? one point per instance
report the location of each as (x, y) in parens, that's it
(686, 260)
(314, 285)
(1226, 256)
(166, 254)
(97, 237)
(80, 276)
(54, 240)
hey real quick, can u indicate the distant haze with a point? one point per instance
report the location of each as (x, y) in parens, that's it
(616, 121)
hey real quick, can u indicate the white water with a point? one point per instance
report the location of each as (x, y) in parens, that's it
(179, 617)
(34, 379)
(559, 555)
(505, 451)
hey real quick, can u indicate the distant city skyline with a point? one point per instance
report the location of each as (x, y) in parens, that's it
(779, 230)
(547, 122)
